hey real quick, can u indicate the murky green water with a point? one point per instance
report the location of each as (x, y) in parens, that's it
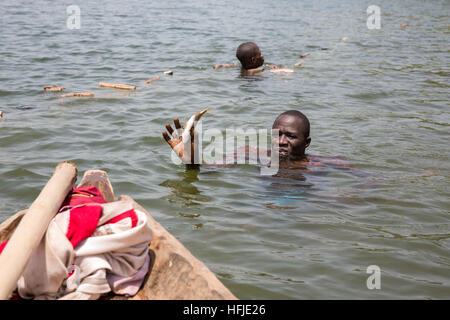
(379, 99)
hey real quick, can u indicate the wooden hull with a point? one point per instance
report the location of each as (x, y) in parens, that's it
(174, 273)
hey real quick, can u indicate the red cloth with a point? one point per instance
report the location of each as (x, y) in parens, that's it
(127, 214)
(83, 219)
(2, 246)
(83, 222)
(83, 195)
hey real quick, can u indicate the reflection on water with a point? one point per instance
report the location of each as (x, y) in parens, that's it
(184, 192)
(290, 187)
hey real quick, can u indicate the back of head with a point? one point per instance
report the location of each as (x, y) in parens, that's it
(249, 55)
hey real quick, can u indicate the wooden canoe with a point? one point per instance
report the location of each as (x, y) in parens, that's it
(174, 273)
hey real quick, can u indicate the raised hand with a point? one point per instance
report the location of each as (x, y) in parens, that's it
(184, 137)
(175, 140)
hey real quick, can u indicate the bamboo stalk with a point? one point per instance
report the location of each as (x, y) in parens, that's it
(80, 94)
(152, 79)
(33, 226)
(116, 86)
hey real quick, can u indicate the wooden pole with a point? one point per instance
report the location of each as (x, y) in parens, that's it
(217, 66)
(53, 88)
(116, 86)
(33, 226)
(152, 79)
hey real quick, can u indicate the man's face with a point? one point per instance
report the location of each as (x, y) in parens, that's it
(292, 143)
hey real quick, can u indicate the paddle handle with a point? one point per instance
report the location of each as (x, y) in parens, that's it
(33, 226)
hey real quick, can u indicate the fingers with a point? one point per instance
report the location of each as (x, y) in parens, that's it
(172, 132)
(167, 138)
(177, 123)
(169, 128)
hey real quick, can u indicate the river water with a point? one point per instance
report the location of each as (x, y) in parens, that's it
(378, 99)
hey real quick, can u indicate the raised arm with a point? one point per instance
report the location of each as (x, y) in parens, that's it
(183, 140)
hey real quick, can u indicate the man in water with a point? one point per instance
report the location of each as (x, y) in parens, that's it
(293, 140)
(250, 57)
(252, 60)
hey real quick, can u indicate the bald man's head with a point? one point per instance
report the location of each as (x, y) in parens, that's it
(249, 55)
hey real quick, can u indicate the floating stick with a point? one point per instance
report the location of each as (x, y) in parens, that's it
(304, 55)
(152, 79)
(116, 86)
(298, 64)
(53, 88)
(217, 66)
(169, 72)
(283, 70)
(81, 94)
(1, 113)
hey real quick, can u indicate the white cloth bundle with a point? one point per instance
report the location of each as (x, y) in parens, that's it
(114, 258)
